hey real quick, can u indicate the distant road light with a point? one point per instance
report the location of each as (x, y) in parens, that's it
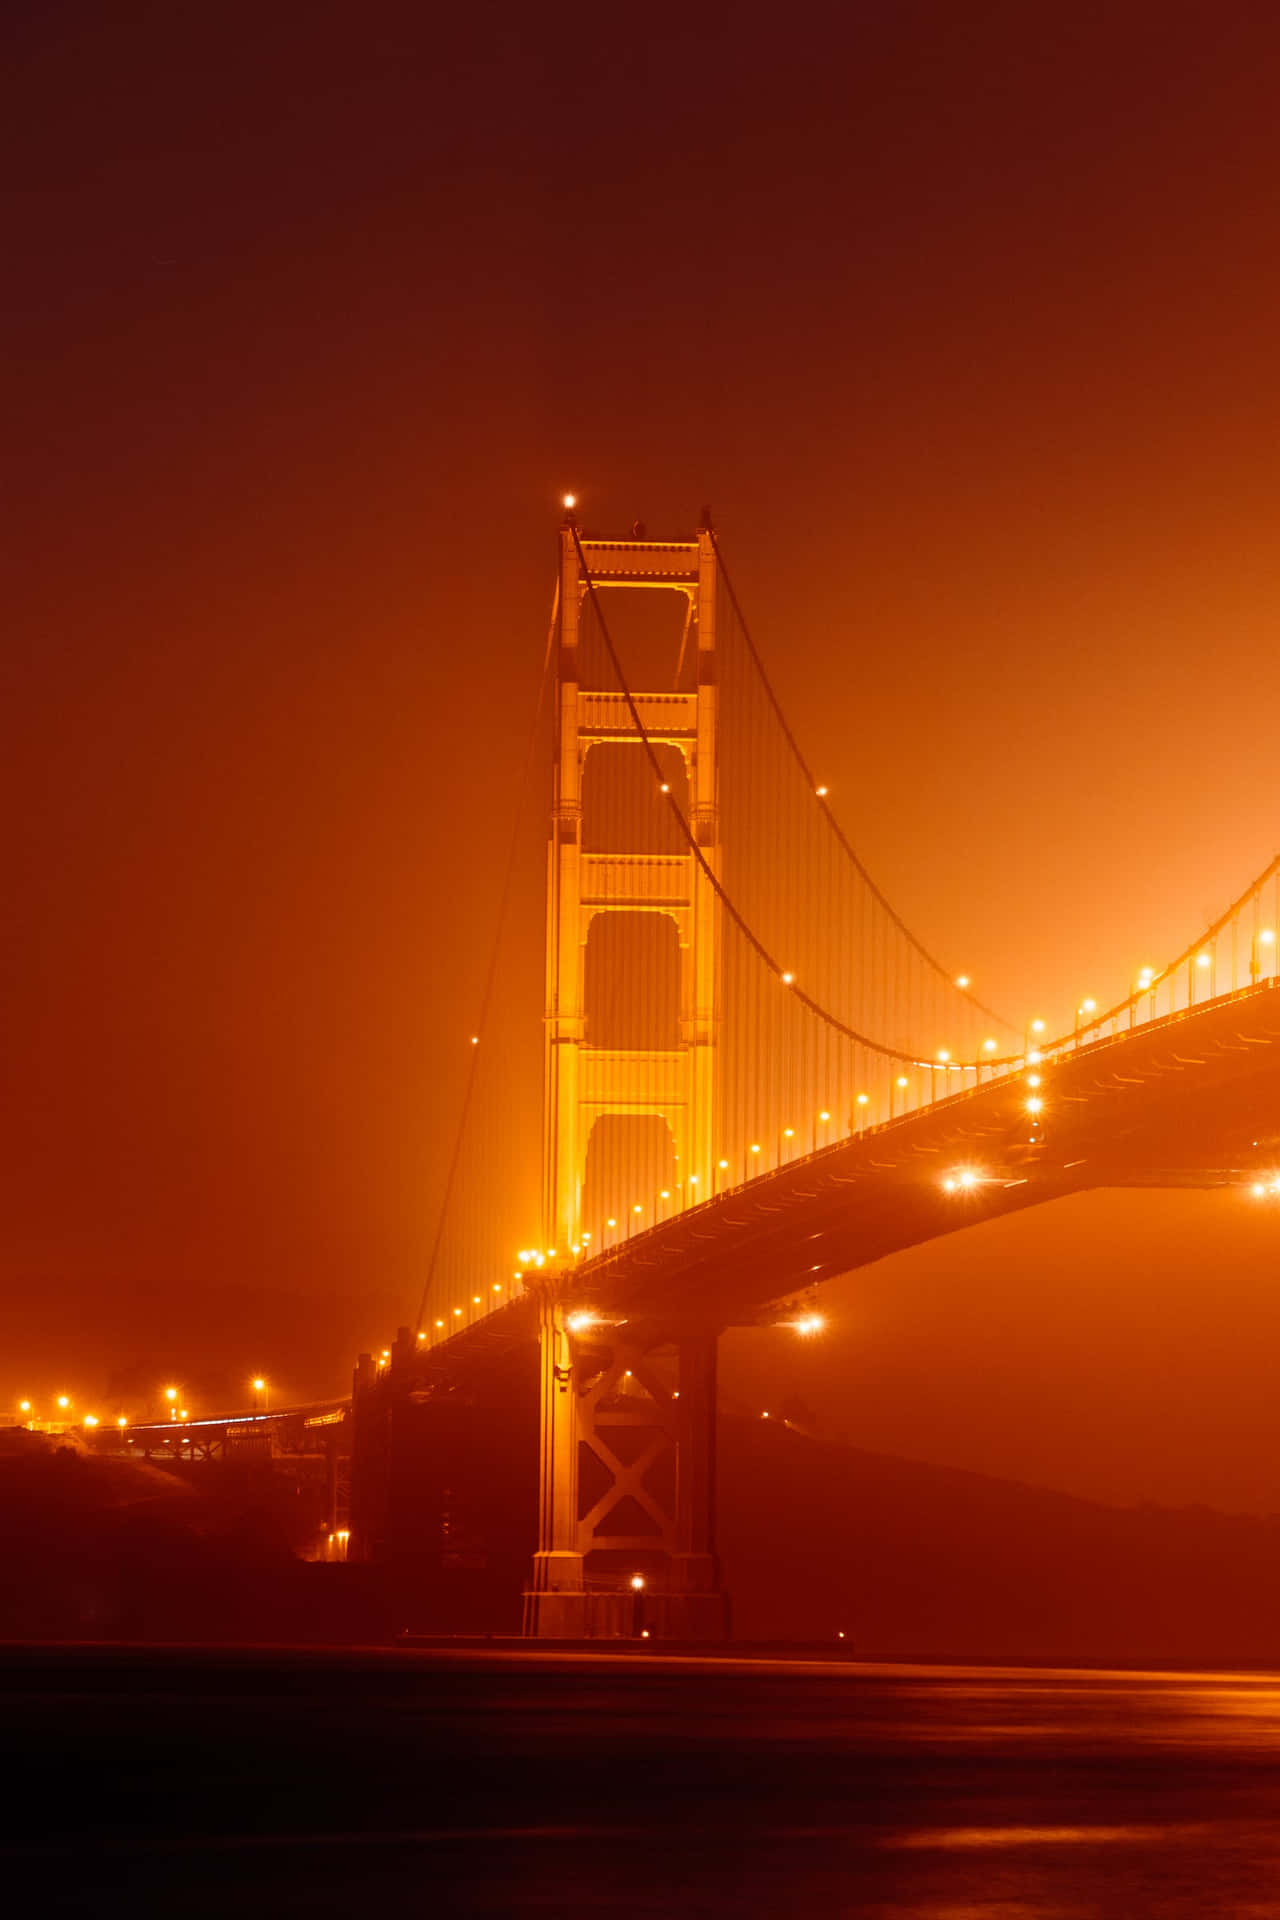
(1035, 1103)
(63, 1401)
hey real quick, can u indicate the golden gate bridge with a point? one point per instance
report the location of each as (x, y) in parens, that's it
(755, 1077)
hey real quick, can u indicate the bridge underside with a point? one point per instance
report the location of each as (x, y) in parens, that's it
(1193, 1100)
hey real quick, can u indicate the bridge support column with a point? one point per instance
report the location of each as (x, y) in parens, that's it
(627, 1499)
(555, 1603)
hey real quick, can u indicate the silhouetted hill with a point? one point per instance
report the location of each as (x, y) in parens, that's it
(907, 1560)
(910, 1560)
(103, 1548)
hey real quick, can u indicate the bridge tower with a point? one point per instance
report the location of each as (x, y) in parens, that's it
(662, 1480)
(586, 1083)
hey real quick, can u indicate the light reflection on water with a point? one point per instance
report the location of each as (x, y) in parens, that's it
(588, 1789)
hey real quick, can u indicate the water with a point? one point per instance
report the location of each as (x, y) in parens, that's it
(197, 1782)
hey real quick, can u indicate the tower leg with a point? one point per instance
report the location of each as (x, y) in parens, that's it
(581, 1407)
(555, 1602)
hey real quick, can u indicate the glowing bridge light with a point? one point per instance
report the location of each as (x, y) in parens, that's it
(824, 1116)
(822, 792)
(475, 1039)
(63, 1401)
(637, 1208)
(788, 1133)
(723, 1165)
(1035, 1103)
(1035, 1056)
(862, 1099)
(788, 979)
(637, 1583)
(1267, 936)
(943, 1055)
(1204, 959)
(809, 1323)
(91, 1419)
(457, 1313)
(963, 1180)
(577, 1322)
(475, 1298)
(611, 1222)
(1088, 1006)
(439, 1323)
(988, 1046)
(903, 1081)
(755, 1146)
(170, 1394)
(962, 981)
(1258, 1189)
(1037, 1026)
(24, 1406)
(664, 788)
(1033, 1079)
(122, 1421)
(570, 502)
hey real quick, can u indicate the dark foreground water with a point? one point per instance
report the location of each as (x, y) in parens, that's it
(183, 1782)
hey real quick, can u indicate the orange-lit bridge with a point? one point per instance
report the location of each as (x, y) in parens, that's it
(754, 1077)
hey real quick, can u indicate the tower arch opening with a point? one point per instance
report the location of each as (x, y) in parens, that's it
(631, 987)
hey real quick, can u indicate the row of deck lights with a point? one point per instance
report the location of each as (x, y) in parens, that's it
(964, 1180)
(65, 1408)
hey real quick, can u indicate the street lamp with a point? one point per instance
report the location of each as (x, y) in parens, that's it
(263, 1387)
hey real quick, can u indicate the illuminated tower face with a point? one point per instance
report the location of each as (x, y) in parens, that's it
(607, 1079)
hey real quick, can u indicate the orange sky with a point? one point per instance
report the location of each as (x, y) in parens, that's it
(963, 320)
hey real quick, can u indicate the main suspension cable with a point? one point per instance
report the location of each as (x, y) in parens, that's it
(748, 933)
(842, 839)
